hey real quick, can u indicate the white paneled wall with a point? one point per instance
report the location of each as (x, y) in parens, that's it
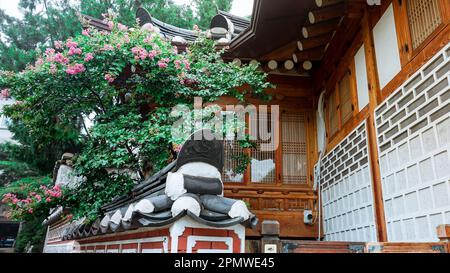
(362, 84)
(413, 131)
(347, 195)
(386, 49)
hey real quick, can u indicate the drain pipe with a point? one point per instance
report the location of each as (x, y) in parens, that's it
(321, 139)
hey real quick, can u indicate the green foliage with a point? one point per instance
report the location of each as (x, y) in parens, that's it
(13, 171)
(45, 22)
(127, 81)
(31, 234)
(207, 9)
(23, 186)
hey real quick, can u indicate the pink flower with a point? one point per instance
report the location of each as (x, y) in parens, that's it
(74, 51)
(187, 65)
(149, 39)
(196, 28)
(88, 57)
(48, 199)
(4, 93)
(49, 51)
(139, 53)
(107, 47)
(49, 54)
(85, 32)
(110, 24)
(122, 27)
(126, 38)
(58, 44)
(39, 62)
(109, 78)
(152, 54)
(38, 197)
(53, 69)
(177, 64)
(75, 69)
(162, 64)
(70, 43)
(8, 197)
(59, 58)
(30, 211)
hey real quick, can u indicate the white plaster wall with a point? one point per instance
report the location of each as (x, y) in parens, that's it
(362, 85)
(386, 47)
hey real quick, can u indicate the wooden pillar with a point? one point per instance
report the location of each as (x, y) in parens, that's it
(443, 233)
(270, 241)
(374, 90)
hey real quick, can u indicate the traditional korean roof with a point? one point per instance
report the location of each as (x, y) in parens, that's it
(169, 31)
(288, 37)
(161, 200)
(121, 213)
(240, 23)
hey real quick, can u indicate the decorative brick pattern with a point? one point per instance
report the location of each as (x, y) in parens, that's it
(413, 132)
(347, 196)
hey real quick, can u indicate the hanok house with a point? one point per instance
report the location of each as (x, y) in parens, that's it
(364, 154)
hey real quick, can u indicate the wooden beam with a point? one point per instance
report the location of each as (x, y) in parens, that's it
(237, 62)
(307, 65)
(328, 13)
(326, 3)
(338, 45)
(294, 58)
(289, 65)
(254, 62)
(314, 42)
(374, 89)
(320, 29)
(443, 233)
(272, 65)
(294, 82)
(282, 53)
(315, 54)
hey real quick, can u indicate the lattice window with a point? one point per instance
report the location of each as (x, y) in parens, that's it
(293, 135)
(424, 17)
(345, 98)
(332, 115)
(262, 162)
(232, 151)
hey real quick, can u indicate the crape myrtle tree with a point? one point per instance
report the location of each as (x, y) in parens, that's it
(45, 21)
(125, 82)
